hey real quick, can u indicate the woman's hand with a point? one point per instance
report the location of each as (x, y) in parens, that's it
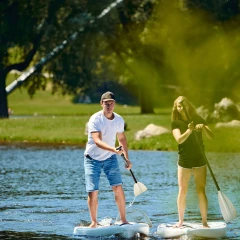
(191, 126)
(199, 127)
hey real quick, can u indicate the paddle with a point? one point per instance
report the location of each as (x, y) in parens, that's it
(138, 187)
(229, 212)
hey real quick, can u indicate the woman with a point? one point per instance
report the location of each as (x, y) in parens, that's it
(187, 128)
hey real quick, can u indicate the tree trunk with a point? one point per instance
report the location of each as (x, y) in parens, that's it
(3, 97)
(146, 104)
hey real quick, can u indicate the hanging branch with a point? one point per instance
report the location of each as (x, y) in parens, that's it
(16, 83)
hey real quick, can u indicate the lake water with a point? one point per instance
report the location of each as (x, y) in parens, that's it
(43, 194)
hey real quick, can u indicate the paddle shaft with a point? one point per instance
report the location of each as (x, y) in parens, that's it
(203, 153)
(122, 155)
(135, 180)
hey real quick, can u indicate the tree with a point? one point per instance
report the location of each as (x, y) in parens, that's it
(187, 50)
(108, 37)
(42, 27)
(12, 13)
(126, 51)
(149, 46)
(30, 30)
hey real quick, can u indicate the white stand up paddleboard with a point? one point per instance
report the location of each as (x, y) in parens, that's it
(126, 230)
(216, 230)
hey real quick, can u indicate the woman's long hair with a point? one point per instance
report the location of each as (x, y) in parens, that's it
(191, 109)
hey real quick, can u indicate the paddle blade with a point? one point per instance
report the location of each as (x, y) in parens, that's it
(139, 188)
(228, 210)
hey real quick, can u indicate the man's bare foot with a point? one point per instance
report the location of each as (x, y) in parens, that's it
(93, 225)
(124, 223)
(205, 225)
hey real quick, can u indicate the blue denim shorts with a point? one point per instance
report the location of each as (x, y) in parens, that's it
(93, 169)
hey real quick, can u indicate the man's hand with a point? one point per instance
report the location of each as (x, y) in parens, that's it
(119, 150)
(128, 164)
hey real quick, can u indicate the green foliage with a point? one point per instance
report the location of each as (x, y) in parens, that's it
(199, 56)
(158, 49)
(164, 142)
(221, 10)
(178, 51)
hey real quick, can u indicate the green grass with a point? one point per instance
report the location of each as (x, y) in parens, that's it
(67, 130)
(46, 104)
(54, 119)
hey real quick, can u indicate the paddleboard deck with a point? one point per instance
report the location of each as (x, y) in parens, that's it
(216, 230)
(126, 230)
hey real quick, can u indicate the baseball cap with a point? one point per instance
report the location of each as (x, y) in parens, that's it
(107, 96)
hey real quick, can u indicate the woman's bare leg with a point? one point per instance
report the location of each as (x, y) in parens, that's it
(200, 181)
(184, 176)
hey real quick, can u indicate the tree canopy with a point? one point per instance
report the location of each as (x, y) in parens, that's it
(158, 49)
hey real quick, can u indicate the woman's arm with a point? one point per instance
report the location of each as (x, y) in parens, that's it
(205, 129)
(180, 138)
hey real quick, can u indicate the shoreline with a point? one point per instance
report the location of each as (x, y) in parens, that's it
(59, 146)
(41, 145)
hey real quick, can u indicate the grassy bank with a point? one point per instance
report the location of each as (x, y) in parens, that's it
(48, 119)
(69, 130)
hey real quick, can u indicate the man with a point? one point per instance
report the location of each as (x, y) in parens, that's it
(100, 154)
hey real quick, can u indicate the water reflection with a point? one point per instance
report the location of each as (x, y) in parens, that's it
(43, 193)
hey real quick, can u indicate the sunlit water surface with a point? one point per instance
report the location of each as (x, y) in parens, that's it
(43, 193)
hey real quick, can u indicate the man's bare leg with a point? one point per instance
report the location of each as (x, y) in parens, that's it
(93, 207)
(120, 201)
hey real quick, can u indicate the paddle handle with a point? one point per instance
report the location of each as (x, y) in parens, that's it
(122, 155)
(135, 180)
(203, 153)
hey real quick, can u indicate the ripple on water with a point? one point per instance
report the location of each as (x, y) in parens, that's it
(43, 191)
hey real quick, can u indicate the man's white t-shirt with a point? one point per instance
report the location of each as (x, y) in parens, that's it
(109, 128)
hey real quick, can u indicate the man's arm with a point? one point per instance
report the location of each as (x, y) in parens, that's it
(97, 138)
(123, 142)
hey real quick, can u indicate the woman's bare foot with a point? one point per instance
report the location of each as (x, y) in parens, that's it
(178, 225)
(205, 225)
